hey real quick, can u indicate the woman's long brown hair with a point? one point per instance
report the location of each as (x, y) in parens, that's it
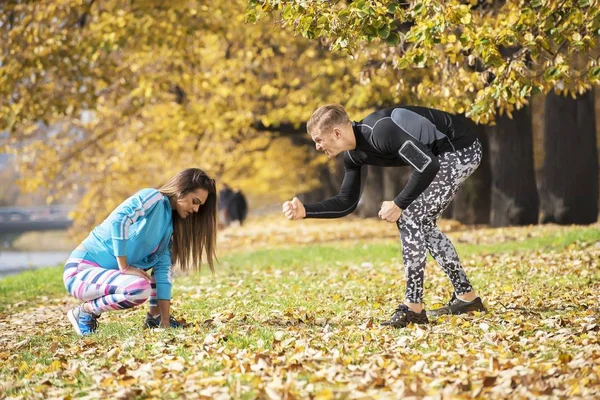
(197, 233)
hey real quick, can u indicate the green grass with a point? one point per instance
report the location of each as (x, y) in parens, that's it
(554, 241)
(48, 281)
(311, 309)
(31, 284)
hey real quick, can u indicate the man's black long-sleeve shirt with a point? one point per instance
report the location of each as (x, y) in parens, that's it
(381, 139)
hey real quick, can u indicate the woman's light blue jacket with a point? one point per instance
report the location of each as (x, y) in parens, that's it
(140, 228)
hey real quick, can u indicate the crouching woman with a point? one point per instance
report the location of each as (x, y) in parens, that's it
(128, 259)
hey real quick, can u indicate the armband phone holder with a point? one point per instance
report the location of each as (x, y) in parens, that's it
(415, 156)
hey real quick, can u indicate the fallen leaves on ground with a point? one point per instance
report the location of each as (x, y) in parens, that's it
(280, 332)
(275, 230)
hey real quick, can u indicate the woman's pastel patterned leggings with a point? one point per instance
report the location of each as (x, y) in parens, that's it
(105, 289)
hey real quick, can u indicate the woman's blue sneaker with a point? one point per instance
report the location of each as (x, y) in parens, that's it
(83, 322)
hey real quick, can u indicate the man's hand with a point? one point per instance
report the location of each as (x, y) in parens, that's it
(390, 211)
(294, 209)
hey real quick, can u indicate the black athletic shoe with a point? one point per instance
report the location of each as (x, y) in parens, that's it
(403, 316)
(152, 322)
(456, 306)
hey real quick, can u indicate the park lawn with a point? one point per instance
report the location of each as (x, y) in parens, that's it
(303, 320)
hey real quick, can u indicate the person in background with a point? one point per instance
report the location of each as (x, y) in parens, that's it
(238, 208)
(233, 207)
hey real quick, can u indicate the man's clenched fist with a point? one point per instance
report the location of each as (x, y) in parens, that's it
(390, 211)
(294, 209)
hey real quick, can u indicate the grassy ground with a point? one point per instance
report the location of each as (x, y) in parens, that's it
(298, 319)
(44, 241)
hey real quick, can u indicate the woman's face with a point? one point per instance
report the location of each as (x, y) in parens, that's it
(191, 202)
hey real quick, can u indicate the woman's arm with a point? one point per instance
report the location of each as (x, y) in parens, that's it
(127, 213)
(162, 275)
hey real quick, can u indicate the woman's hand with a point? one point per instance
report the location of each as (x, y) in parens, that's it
(131, 270)
(165, 324)
(127, 269)
(165, 313)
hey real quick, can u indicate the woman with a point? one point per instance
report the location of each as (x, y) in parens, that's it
(153, 229)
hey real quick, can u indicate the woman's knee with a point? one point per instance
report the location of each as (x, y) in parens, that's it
(138, 291)
(70, 274)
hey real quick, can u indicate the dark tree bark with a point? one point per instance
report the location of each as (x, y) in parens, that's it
(514, 192)
(472, 202)
(372, 196)
(394, 180)
(334, 179)
(330, 184)
(569, 189)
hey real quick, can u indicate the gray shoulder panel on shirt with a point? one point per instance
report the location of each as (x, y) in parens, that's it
(416, 126)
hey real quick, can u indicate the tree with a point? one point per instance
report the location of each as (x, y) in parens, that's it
(372, 195)
(460, 45)
(479, 58)
(394, 180)
(569, 190)
(9, 193)
(514, 193)
(141, 89)
(473, 200)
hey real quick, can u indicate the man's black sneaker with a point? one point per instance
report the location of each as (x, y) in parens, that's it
(403, 316)
(456, 306)
(154, 322)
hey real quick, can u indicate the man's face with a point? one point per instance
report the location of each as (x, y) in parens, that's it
(328, 142)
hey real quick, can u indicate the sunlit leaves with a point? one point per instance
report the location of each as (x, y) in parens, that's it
(492, 33)
(302, 321)
(133, 92)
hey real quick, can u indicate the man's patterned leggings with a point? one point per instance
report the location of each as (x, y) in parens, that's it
(418, 229)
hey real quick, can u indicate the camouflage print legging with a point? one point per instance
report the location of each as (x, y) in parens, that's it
(418, 229)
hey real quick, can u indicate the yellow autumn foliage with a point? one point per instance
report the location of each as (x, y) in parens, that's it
(108, 97)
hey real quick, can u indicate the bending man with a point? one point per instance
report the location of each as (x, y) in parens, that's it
(442, 152)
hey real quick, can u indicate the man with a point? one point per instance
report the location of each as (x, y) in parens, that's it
(442, 152)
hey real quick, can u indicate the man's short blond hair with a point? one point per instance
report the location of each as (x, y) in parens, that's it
(326, 117)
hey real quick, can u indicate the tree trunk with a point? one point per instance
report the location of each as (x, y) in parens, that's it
(569, 190)
(394, 180)
(372, 196)
(331, 181)
(472, 202)
(514, 193)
